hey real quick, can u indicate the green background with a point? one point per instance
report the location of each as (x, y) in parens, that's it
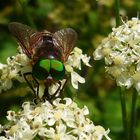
(93, 20)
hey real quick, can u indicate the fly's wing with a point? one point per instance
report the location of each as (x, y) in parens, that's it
(65, 40)
(22, 33)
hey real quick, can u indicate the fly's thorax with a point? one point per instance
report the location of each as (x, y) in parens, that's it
(45, 47)
(46, 68)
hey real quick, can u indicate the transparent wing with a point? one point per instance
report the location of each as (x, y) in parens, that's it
(65, 39)
(23, 34)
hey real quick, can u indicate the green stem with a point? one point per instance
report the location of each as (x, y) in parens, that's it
(26, 13)
(124, 113)
(133, 115)
(117, 14)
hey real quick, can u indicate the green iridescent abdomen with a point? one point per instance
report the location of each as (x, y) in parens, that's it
(49, 67)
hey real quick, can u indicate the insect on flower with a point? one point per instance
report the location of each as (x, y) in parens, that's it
(47, 52)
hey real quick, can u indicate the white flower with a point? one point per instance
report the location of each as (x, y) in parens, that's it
(61, 133)
(5, 78)
(85, 60)
(21, 131)
(3, 138)
(99, 132)
(61, 120)
(75, 78)
(74, 61)
(11, 115)
(1, 128)
(15, 67)
(18, 65)
(76, 57)
(121, 51)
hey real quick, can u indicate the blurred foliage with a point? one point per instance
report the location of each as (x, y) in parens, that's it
(93, 20)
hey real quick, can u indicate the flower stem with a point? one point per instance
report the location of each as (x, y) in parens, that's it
(117, 14)
(122, 93)
(133, 115)
(124, 113)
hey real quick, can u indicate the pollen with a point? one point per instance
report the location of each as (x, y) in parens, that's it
(106, 51)
(13, 129)
(56, 137)
(136, 76)
(118, 60)
(57, 116)
(37, 111)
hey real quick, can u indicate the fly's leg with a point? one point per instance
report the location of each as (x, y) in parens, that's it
(36, 92)
(46, 94)
(60, 89)
(49, 97)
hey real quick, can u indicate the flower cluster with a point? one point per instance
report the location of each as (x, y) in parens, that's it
(74, 61)
(18, 65)
(61, 120)
(121, 51)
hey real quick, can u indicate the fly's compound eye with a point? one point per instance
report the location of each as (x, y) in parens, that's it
(57, 70)
(41, 69)
(49, 67)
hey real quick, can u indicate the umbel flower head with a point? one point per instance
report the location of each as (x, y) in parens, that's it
(121, 51)
(18, 65)
(61, 120)
(12, 70)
